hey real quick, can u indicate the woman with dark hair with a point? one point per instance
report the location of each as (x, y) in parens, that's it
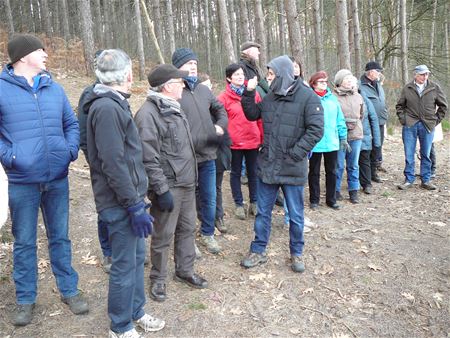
(335, 134)
(246, 137)
(298, 71)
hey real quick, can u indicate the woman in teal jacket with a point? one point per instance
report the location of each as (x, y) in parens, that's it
(334, 137)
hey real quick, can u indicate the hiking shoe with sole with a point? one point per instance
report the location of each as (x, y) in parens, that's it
(127, 334)
(23, 314)
(405, 185)
(367, 189)
(220, 225)
(297, 264)
(149, 323)
(239, 212)
(252, 209)
(339, 196)
(428, 186)
(106, 263)
(210, 243)
(253, 259)
(77, 304)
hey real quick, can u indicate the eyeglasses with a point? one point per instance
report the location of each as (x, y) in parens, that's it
(175, 81)
(322, 81)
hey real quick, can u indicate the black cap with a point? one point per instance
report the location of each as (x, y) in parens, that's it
(183, 55)
(373, 65)
(163, 73)
(21, 45)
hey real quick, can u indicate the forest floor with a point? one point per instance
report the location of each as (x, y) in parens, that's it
(380, 268)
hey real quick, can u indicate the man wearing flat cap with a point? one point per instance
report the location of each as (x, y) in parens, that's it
(421, 106)
(169, 160)
(250, 51)
(38, 139)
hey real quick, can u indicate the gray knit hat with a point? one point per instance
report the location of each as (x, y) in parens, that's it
(183, 55)
(339, 77)
(21, 45)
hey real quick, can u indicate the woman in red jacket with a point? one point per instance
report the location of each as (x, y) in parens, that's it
(246, 137)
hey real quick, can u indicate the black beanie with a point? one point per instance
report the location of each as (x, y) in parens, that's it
(21, 45)
(231, 69)
(183, 55)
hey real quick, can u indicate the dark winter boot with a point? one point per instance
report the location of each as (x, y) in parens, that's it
(354, 196)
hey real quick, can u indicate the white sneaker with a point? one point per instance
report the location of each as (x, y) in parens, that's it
(127, 334)
(150, 324)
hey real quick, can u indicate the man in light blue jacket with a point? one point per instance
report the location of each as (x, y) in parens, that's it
(38, 139)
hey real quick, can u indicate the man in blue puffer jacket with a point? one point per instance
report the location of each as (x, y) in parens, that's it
(38, 139)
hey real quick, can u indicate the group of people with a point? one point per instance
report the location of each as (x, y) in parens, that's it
(157, 171)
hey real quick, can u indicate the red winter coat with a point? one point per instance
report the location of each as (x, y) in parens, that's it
(244, 134)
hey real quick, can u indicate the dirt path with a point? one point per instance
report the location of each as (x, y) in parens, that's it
(379, 268)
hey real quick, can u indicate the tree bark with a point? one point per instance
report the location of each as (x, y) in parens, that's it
(46, 18)
(225, 29)
(156, 15)
(170, 27)
(282, 27)
(87, 34)
(65, 20)
(140, 39)
(98, 19)
(356, 35)
(318, 38)
(342, 34)
(446, 38)
(432, 31)
(260, 32)
(404, 45)
(295, 40)
(244, 21)
(151, 30)
(9, 18)
(207, 36)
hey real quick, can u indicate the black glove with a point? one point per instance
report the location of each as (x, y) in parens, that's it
(343, 145)
(165, 201)
(141, 220)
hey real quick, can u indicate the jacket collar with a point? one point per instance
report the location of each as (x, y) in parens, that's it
(9, 76)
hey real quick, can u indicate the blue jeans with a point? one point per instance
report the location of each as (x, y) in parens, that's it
(350, 160)
(103, 238)
(410, 136)
(206, 196)
(53, 200)
(267, 194)
(126, 296)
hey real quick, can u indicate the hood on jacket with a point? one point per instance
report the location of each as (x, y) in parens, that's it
(100, 90)
(283, 68)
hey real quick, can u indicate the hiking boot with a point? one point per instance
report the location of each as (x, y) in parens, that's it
(339, 196)
(253, 259)
(367, 190)
(210, 243)
(314, 206)
(106, 263)
(127, 334)
(334, 206)
(198, 253)
(149, 323)
(23, 314)
(220, 225)
(252, 209)
(428, 186)
(77, 304)
(158, 291)
(297, 264)
(405, 185)
(382, 169)
(239, 212)
(354, 196)
(376, 178)
(195, 281)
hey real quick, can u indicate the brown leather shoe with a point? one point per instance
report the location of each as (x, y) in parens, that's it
(194, 281)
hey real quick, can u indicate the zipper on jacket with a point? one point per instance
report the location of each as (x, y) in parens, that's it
(43, 132)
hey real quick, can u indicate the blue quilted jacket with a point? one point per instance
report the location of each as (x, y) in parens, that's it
(39, 133)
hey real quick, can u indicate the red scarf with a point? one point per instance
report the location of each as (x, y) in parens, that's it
(321, 93)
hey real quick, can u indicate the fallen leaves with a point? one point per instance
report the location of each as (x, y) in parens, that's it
(409, 296)
(43, 264)
(260, 276)
(326, 269)
(89, 260)
(374, 267)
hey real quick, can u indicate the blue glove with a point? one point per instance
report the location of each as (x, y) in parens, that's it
(165, 201)
(141, 220)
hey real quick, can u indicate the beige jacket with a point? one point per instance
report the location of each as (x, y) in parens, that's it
(352, 105)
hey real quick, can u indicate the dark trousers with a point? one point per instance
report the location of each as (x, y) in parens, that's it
(178, 226)
(376, 155)
(365, 172)
(330, 161)
(219, 206)
(235, 176)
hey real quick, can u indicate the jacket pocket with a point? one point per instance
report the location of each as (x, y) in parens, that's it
(173, 136)
(289, 166)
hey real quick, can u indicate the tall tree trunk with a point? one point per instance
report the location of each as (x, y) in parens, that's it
(379, 39)
(295, 40)
(46, 18)
(140, 39)
(356, 35)
(151, 30)
(65, 20)
(342, 34)
(446, 38)
(156, 15)
(260, 32)
(404, 45)
(244, 21)
(225, 28)
(98, 19)
(282, 27)
(87, 34)
(432, 31)
(170, 27)
(109, 37)
(318, 38)
(207, 36)
(9, 18)
(233, 28)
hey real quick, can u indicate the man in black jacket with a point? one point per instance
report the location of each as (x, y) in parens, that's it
(169, 160)
(292, 118)
(120, 183)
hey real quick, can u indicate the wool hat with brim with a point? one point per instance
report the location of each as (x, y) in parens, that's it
(163, 73)
(373, 65)
(183, 55)
(249, 44)
(340, 75)
(421, 69)
(21, 45)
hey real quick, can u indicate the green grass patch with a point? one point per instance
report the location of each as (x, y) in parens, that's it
(197, 306)
(445, 125)
(386, 194)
